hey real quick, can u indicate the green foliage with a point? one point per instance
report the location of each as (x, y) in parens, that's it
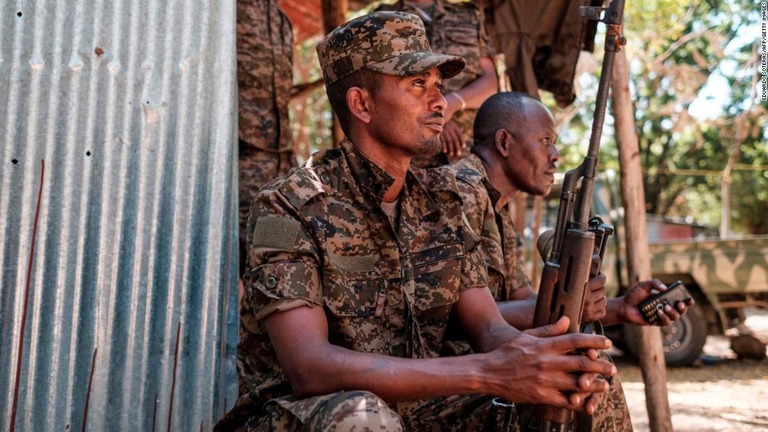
(750, 186)
(675, 49)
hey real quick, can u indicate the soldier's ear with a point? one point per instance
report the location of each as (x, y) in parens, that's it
(358, 101)
(502, 140)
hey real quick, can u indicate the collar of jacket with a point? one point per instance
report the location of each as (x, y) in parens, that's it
(374, 182)
(474, 162)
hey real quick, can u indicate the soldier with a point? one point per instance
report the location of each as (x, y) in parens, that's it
(515, 151)
(357, 263)
(456, 29)
(265, 77)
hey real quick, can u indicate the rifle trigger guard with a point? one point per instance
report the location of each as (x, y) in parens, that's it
(593, 328)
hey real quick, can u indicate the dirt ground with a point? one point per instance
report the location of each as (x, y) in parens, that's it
(722, 393)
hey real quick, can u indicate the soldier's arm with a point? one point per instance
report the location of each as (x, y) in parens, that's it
(316, 367)
(476, 92)
(487, 84)
(518, 313)
(470, 96)
(519, 310)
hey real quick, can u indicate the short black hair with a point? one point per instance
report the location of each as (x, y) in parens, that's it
(500, 111)
(337, 93)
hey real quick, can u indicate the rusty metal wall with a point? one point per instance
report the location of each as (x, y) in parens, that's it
(116, 305)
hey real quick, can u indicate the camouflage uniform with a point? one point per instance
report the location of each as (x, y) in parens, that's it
(319, 238)
(499, 237)
(265, 77)
(456, 29)
(499, 242)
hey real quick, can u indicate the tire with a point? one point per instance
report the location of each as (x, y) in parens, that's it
(683, 339)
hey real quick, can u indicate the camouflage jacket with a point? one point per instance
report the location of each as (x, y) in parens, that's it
(499, 239)
(456, 29)
(319, 238)
(264, 74)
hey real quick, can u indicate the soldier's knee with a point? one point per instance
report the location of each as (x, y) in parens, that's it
(355, 410)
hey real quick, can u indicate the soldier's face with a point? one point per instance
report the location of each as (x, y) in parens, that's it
(531, 160)
(407, 113)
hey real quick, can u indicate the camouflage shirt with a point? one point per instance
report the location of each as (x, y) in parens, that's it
(499, 242)
(264, 74)
(456, 29)
(499, 239)
(320, 238)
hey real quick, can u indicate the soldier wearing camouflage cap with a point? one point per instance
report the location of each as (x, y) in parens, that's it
(456, 28)
(358, 262)
(511, 128)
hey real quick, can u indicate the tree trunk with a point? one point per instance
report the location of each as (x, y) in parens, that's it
(650, 348)
(334, 15)
(741, 135)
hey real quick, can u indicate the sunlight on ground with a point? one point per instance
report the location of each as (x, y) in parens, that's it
(727, 395)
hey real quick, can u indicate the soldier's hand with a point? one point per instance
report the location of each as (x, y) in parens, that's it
(588, 401)
(641, 291)
(595, 300)
(540, 367)
(452, 140)
(584, 399)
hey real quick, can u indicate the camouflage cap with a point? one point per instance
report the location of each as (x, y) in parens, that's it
(393, 43)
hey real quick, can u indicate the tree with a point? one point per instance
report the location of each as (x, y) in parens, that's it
(685, 156)
(685, 55)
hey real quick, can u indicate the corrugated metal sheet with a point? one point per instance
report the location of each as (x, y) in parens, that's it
(127, 321)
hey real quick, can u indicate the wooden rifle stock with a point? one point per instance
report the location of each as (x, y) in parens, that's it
(567, 250)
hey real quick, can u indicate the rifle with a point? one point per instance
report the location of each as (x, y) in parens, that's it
(567, 250)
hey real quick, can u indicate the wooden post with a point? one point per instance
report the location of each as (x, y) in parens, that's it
(650, 348)
(334, 15)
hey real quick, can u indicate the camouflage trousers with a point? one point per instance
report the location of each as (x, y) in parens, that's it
(257, 167)
(365, 412)
(612, 414)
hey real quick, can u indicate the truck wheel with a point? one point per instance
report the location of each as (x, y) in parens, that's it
(683, 339)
